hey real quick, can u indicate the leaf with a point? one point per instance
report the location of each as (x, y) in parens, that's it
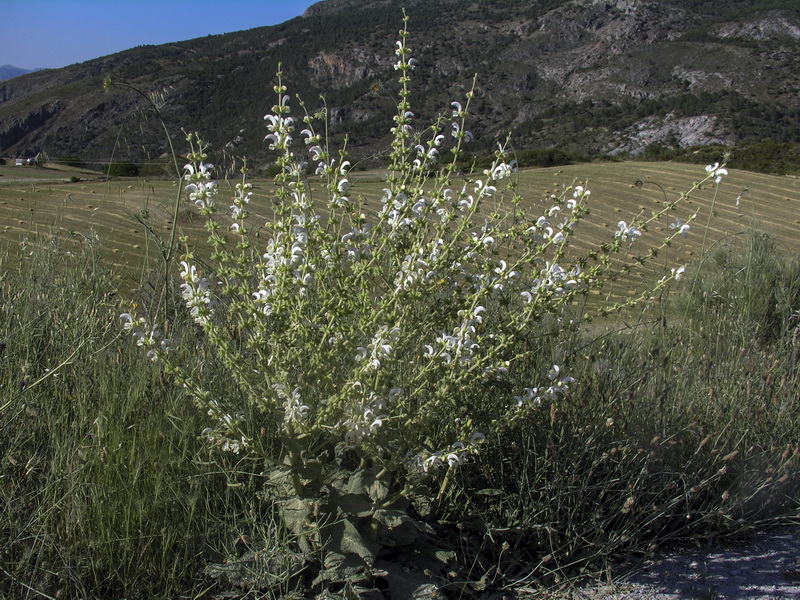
(402, 530)
(345, 539)
(340, 568)
(392, 518)
(312, 476)
(294, 513)
(446, 556)
(281, 479)
(260, 569)
(379, 489)
(351, 592)
(358, 482)
(353, 504)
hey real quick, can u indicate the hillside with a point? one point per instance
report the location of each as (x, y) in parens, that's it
(588, 76)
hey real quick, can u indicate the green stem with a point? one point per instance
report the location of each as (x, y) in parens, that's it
(442, 491)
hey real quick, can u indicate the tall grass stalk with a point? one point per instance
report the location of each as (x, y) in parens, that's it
(168, 248)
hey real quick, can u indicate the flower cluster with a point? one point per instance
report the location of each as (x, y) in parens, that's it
(534, 396)
(228, 435)
(460, 346)
(146, 336)
(680, 227)
(379, 348)
(357, 243)
(294, 411)
(553, 280)
(625, 232)
(202, 190)
(279, 125)
(196, 292)
(285, 252)
(454, 456)
(366, 417)
(244, 194)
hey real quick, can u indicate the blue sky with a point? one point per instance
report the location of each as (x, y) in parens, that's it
(55, 33)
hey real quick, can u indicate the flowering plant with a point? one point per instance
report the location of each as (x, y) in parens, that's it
(371, 351)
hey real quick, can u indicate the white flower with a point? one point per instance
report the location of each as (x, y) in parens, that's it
(678, 273)
(716, 172)
(529, 395)
(476, 438)
(202, 191)
(433, 462)
(458, 134)
(501, 171)
(294, 409)
(232, 446)
(196, 293)
(454, 460)
(132, 323)
(624, 231)
(378, 348)
(681, 227)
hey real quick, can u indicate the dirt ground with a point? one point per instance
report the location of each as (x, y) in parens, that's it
(768, 568)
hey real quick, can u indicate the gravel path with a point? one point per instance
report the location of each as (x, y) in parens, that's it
(766, 569)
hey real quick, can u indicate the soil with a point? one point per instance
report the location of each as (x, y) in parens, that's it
(768, 568)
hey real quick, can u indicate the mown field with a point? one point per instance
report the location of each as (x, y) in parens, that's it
(43, 202)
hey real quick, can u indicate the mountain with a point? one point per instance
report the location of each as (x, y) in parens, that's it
(10, 71)
(588, 76)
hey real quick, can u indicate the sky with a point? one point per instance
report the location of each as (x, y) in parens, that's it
(50, 34)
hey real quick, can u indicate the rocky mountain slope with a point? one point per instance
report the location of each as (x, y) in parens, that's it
(595, 76)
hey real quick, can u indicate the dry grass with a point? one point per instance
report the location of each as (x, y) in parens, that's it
(41, 201)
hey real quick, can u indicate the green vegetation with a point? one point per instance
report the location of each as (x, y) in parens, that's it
(764, 156)
(105, 488)
(70, 161)
(108, 491)
(735, 8)
(122, 169)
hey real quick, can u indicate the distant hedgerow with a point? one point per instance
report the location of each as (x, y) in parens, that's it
(122, 169)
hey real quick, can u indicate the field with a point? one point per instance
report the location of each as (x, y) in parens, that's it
(43, 202)
(679, 427)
